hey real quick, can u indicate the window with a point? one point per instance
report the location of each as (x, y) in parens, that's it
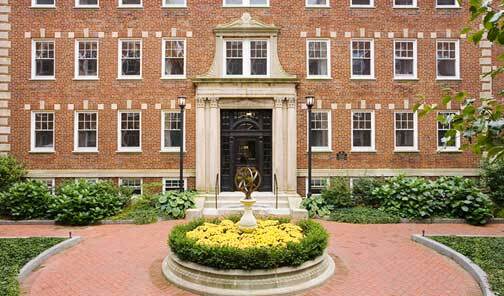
(246, 2)
(405, 60)
(130, 3)
(87, 3)
(44, 3)
(130, 63)
(363, 137)
(406, 131)
(89, 180)
(130, 136)
(42, 136)
(135, 184)
(361, 3)
(86, 59)
(317, 185)
(317, 3)
(174, 3)
(86, 132)
(445, 142)
(170, 136)
(321, 131)
(173, 184)
(448, 61)
(362, 59)
(405, 3)
(51, 184)
(174, 57)
(43, 59)
(318, 58)
(246, 57)
(447, 4)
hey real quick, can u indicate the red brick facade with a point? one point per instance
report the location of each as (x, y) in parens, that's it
(195, 23)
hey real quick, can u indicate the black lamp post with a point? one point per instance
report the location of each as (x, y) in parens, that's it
(309, 104)
(182, 104)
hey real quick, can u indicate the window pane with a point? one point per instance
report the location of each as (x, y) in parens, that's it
(404, 138)
(320, 138)
(361, 2)
(404, 67)
(318, 58)
(88, 58)
(446, 2)
(131, 58)
(45, 2)
(130, 138)
(258, 2)
(88, 2)
(131, 2)
(175, 2)
(258, 57)
(44, 58)
(446, 68)
(317, 2)
(174, 57)
(130, 129)
(361, 58)
(234, 58)
(404, 2)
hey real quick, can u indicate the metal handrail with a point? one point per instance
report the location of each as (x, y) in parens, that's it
(216, 188)
(276, 190)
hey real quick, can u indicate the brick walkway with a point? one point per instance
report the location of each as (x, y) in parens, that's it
(371, 260)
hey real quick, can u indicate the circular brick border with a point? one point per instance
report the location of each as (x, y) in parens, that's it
(474, 270)
(33, 264)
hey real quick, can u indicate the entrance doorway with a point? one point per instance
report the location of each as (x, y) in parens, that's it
(246, 142)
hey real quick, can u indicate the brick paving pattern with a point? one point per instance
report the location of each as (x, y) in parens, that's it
(371, 260)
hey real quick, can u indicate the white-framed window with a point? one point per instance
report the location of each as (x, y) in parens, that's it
(43, 60)
(89, 180)
(129, 131)
(405, 59)
(246, 58)
(86, 131)
(174, 59)
(362, 3)
(318, 184)
(445, 143)
(174, 3)
(362, 62)
(406, 131)
(318, 58)
(50, 182)
(171, 131)
(447, 4)
(447, 59)
(173, 184)
(135, 184)
(245, 3)
(130, 59)
(130, 3)
(87, 3)
(405, 3)
(44, 3)
(321, 131)
(86, 59)
(317, 3)
(42, 131)
(363, 131)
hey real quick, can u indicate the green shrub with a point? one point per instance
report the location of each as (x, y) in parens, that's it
(500, 213)
(83, 203)
(173, 204)
(26, 200)
(408, 197)
(493, 179)
(316, 206)
(361, 215)
(463, 199)
(11, 172)
(142, 210)
(311, 246)
(362, 191)
(337, 194)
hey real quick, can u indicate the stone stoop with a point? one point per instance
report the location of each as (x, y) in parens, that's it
(228, 203)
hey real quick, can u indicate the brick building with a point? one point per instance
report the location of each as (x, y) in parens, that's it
(89, 88)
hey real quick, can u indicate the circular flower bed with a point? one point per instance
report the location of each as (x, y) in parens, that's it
(275, 243)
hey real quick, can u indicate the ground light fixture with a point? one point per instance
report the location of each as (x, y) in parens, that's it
(182, 105)
(309, 104)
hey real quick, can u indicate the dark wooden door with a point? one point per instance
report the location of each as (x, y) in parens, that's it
(246, 142)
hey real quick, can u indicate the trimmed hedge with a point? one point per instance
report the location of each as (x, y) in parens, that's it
(313, 245)
(361, 215)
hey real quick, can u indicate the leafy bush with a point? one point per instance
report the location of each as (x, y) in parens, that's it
(361, 215)
(173, 204)
(362, 191)
(316, 206)
(26, 200)
(83, 203)
(493, 179)
(311, 246)
(11, 172)
(337, 194)
(142, 210)
(464, 199)
(408, 197)
(500, 213)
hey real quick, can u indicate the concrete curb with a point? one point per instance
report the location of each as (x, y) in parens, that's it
(41, 258)
(27, 222)
(476, 272)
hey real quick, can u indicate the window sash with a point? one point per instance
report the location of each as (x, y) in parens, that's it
(361, 3)
(407, 55)
(405, 129)
(43, 59)
(130, 58)
(173, 184)
(447, 54)
(36, 3)
(86, 59)
(317, 3)
(174, 58)
(409, 3)
(245, 3)
(78, 3)
(445, 5)
(321, 130)
(123, 4)
(362, 59)
(86, 132)
(318, 184)
(43, 132)
(239, 59)
(363, 133)
(454, 143)
(130, 131)
(170, 3)
(170, 132)
(133, 183)
(318, 56)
